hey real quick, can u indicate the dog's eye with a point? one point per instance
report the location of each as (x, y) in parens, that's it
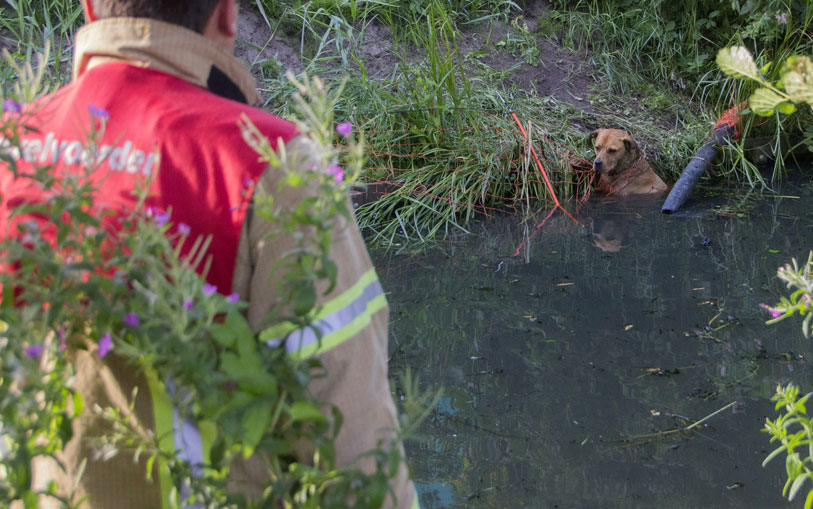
(611, 150)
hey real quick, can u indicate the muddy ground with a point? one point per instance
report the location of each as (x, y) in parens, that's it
(560, 73)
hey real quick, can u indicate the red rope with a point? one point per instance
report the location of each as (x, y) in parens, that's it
(542, 170)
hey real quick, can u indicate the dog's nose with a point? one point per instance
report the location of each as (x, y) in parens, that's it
(597, 164)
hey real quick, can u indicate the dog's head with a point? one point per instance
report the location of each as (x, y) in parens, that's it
(616, 151)
(610, 235)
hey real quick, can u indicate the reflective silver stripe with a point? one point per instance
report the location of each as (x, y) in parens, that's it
(189, 445)
(302, 338)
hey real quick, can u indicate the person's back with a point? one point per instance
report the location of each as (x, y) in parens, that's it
(167, 101)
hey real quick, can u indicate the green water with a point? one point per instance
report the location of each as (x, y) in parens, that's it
(549, 360)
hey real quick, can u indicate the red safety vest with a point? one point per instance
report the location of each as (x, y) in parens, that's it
(157, 125)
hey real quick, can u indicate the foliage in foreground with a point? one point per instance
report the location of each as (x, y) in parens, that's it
(794, 429)
(82, 286)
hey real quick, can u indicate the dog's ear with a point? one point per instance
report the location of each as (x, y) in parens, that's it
(593, 135)
(630, 145)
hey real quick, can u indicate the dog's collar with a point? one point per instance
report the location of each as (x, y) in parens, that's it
(635, 173)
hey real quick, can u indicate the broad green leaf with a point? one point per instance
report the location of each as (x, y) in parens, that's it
(238, 326)
(764, 101)
(304, 298)
(809, 501)
(306, 411)
(737, 61)
(786, 108)
(255, 421)
(223, 335)
(799, 87)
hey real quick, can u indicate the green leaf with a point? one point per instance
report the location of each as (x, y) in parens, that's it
(786, 108)
(763, 101)
(222, 335)
(78, 403)
(737, 61)
(150, 463)
(30, 500)
(255, 421)
(773, 454)
(238, 327)
(796, 486)
(809, 501)
(304, 299)
(798, 87)
(394, 458)
(306, 411)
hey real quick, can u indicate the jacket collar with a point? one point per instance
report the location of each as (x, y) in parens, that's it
(164, 47)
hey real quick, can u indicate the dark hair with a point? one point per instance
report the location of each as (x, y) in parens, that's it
(191, 14)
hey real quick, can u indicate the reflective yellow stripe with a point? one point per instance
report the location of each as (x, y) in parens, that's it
(328, 308)
(162, 414)
(334, 339)
(334, 323)
(416, 504)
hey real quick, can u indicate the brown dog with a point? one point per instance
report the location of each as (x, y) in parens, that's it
(622, 165)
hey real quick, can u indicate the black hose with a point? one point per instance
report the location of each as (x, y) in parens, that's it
(694, 170)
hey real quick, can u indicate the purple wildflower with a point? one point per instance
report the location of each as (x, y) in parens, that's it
(209, 290)
(184, 229)
(60, 333)
(11, 106)
(98, 112)
(131, 320)
(336, 171)
(188, 303)
(774, 312)
(345, 128)
(782, 18)
(105, 345)
(162, 218)
(233, 298)
(63, 346)
(33, 351)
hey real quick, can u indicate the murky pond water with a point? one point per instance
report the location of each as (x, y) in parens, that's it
(556, 363)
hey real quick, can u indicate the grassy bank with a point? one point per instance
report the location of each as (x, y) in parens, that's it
(426, 81)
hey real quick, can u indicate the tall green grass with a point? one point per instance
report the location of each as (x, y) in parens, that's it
(437, 113)
(675, 43)
(26, 26)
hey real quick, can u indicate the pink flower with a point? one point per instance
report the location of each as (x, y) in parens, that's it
(33, 351)
(782, 18)
(105, 345)
(774, 312)
(336, 171)
(233, 298)
(184, 229)
(131, 320)
(209, 290)
(188, 303)
(345, 128)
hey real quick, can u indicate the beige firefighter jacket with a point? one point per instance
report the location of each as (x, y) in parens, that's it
(356, 366)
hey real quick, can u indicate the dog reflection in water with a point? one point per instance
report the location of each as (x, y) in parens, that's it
(610, 234)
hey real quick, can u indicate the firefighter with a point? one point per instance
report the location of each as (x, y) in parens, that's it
(164, 78)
